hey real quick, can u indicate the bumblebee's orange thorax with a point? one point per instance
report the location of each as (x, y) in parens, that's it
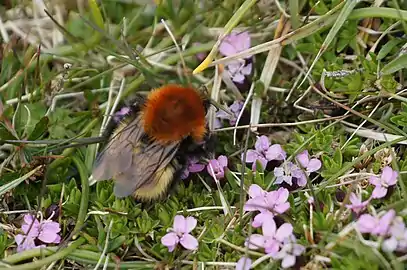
(173, 112)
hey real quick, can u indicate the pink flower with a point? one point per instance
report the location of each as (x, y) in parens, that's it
(388, 178)
(289, 171)
(289, 252)
(235, 108)
(244, 263)
(375, 225)
(45, 231)
(272, 238)
(398, 237)
(181, 234)
(264, 152)
(218, 166)
(356, 203)
(310, 165)
(268, 203)
(231, 45)
(234, 43)
(192, 167)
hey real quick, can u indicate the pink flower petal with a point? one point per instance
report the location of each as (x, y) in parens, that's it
(393, 180)
(234, 66)
(19, 238)
(251, 156)
(302, 180)
(298, 249)
(28, 219)
(354, 199)
(238, 77)
(50, 226)
(255, 241)
(288, 261)
(223, 161)
(366, 223)
(379, 192)
(314, 165)
(269, 227)
(47, 237)
(288, 179)
(303, 158)
(271, 246)
(390, 245)
(171, 248)
(256, 190)
(281, 208)
(387, 174)
(179, 224)
(236, 106)
(262, 143)
(194, 168)
(275, 152)
(254, 204)
(278, 171)
(384, 223)
(243, 264)
(262, 218)
(263, 163)
(247, 69)
(24, 242)
(282, 195)
(189, 242)
(190, 224)
(375, 181)
(243, 41)
(57, 239)
(284, 231)
(170, 239)
(31, 225)
(226, 48)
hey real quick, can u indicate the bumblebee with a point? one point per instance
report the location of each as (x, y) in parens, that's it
(149, 148)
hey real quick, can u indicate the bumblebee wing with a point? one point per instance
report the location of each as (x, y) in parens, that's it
(147, 161)
(118, 154)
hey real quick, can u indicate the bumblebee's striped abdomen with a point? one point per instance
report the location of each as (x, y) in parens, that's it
(159, 183)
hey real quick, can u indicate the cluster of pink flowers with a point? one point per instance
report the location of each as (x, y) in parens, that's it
(288, 171)
(387, 179)
(180, 233)
(269, 204)
(235, 108)
(387, 225)
(264, 152)
(232, 44)
(215, 167)
(280, 242)
(37, 233)
(382, 183)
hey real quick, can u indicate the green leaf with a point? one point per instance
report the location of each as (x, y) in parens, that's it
(96, 14)
(116, 243)
(40, 128)
(386, 49)
(356, 83)
(5, 133)
(395, 65)
(16, 182)
(338, 157)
